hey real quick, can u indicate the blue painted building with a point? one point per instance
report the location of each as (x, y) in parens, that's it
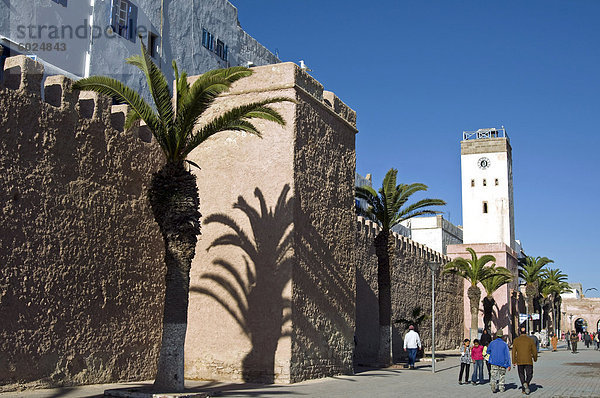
(80, 38)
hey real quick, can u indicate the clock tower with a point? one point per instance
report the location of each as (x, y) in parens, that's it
(487, 187)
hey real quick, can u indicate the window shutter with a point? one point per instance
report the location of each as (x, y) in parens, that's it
(132, 22)
(114, 17)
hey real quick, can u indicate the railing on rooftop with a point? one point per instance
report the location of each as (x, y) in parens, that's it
(485, 133)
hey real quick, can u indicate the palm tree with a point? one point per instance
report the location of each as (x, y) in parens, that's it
(388, 209)
(501, 276)
(531, 271)
(553, 284)
(173, 193)
(474, 271)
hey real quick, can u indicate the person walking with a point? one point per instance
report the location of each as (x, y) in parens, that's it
(587, 339)
(500, 361)
(574, 340)
(465, 361)
(477, 357)
(554, 342)
(524, 354)
(568, 340)
(412, 343)
(535, 339)
(485, 340)
(597, 340)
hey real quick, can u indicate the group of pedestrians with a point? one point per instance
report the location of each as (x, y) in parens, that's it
(572, 338)
(496, 354)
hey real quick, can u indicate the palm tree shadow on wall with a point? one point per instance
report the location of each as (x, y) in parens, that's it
(257, 281)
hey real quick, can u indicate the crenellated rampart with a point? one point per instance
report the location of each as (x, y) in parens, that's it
(411, 288)
(81, 276)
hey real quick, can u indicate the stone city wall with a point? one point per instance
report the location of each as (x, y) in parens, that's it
(274, 281)
(81, 257)
(411, 288)
(274, 274)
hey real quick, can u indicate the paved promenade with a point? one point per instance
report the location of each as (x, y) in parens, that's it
(556, 374)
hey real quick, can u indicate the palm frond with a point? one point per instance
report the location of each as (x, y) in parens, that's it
(131, 118)
(195, 100)
(474, 270)
(157, 83)
(499, 276)
(386, 205)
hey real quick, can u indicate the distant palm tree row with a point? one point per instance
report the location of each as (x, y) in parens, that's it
(544, 285)
(541, 284)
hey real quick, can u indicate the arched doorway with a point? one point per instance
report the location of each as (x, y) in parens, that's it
(580, 325)
(598, 326)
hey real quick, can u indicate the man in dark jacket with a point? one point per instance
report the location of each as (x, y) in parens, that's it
(524, 353)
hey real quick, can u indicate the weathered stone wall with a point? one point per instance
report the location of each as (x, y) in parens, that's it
(273, 279)
(411, 288)
(585, 308)
(324, 284)
(81, 257)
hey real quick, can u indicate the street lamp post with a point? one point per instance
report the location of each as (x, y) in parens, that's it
(433, 266)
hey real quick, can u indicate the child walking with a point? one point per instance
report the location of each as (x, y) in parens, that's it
(477, 357)
(465, 361)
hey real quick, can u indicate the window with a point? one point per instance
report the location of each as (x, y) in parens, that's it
(61, 2)
(124, 18)
(485, 207)
(496, 181)
(484, 183)
(220, 48)
(208, 40)
(215, 45)
(152, 44)
(472, 183)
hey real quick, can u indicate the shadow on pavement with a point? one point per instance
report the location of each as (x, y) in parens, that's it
(215, 389)
(535, 387)
(510, 386)
(253, 393)
(76, 391)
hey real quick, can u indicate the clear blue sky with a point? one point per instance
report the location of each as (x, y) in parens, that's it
(420, 72)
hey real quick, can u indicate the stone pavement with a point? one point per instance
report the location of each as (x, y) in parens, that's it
(556, 374)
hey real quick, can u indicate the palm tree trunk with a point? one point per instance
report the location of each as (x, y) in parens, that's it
(385, 297)
(174, 200)
(531, 291)
(474, 294)
(488, 310)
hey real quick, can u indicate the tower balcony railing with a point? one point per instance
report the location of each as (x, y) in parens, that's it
(485, 133)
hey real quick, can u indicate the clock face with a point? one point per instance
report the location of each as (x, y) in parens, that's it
(483, 163)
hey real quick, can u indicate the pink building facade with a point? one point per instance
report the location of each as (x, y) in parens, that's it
(504, 309)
